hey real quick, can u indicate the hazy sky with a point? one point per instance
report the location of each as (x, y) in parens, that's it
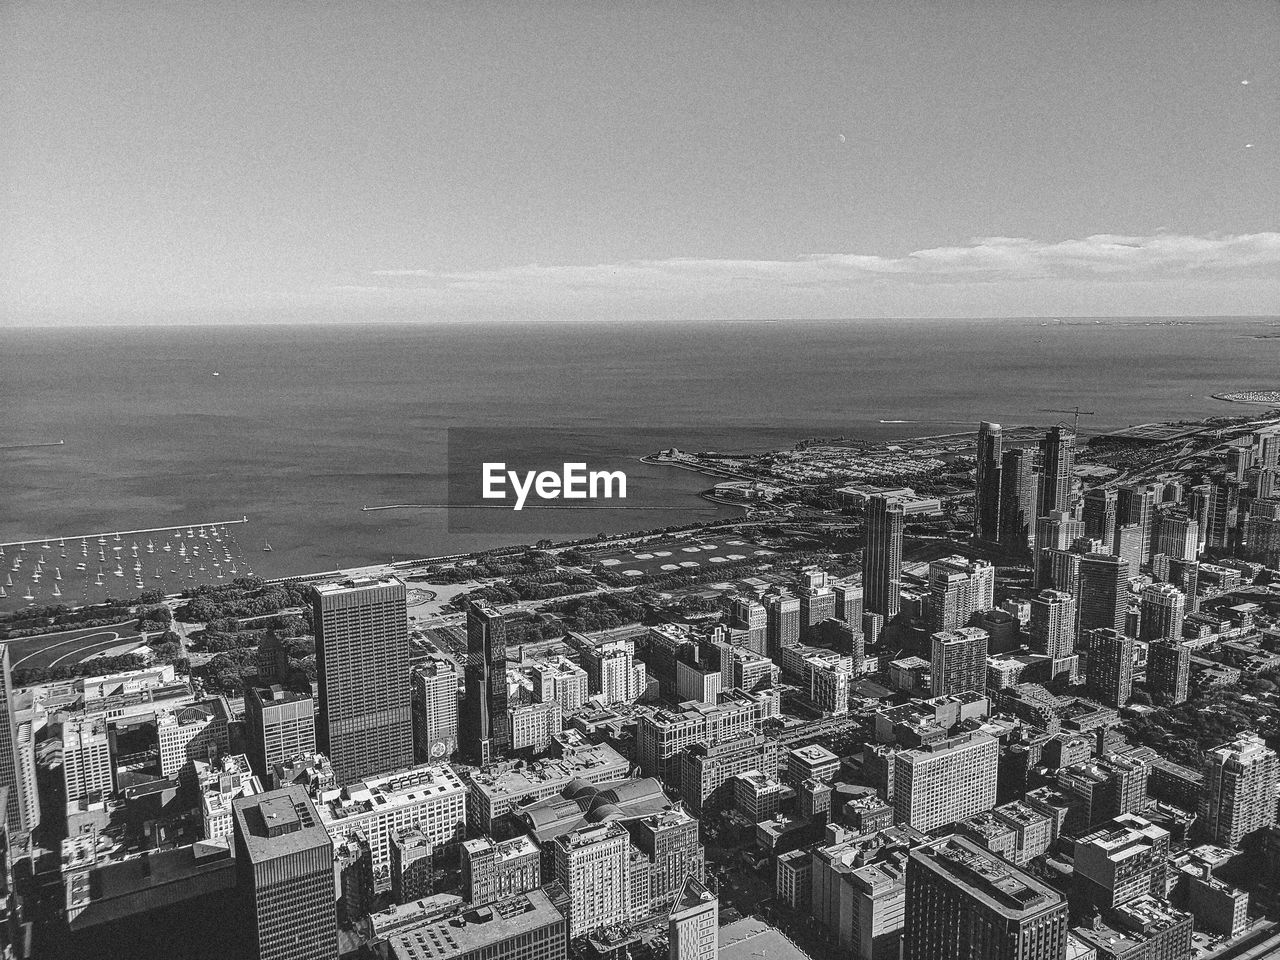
(338, 159)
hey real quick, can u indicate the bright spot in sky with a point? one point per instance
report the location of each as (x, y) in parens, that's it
(1247, 145)
(840, 137)
(1244, 82)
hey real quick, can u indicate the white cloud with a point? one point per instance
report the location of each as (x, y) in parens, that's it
(985, 260)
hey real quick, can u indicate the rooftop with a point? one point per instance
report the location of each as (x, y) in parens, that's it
(279, 822)
(481, 927)
(401, 788)
(988, 879)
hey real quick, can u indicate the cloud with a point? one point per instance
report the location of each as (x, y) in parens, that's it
(1107, 258)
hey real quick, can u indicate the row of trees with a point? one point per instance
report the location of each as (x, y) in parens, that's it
(243, 597)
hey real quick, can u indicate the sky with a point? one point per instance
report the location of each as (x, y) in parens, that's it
(347, 160)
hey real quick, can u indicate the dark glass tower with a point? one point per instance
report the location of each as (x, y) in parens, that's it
(362, 655)
(1058, 456)
(882, 558)
(1017, 500)
(986, 502)
(487, 732)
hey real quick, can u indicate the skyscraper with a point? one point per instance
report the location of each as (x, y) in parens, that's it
(959, 661)
(1136, 506)
(1058, 459)
(1053, 623)
(965, 901)
(434, 702)
(486, 729)
(1161, 607)
(694, 924)
(782, 622)
(23, 808)
(1100, 514)
(285, 874)
(959, 588)
(1223, 502)
(1104, 591)
(882, 557)
(986, 500)
(362, 656)
(1057, 530)
(1017, 500)
(592, 864)
(940, 783)
(1109, 669)
(1240, 780)
(1177, 536)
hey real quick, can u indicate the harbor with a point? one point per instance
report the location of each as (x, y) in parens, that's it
(121, 564)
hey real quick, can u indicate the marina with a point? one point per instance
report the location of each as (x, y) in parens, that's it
(92, 568)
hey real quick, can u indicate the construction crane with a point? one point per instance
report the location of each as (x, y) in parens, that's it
(1075, 427)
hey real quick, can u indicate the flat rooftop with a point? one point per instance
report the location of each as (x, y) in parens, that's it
(484, 926)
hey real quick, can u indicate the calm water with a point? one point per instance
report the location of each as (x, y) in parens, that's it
(304, 425)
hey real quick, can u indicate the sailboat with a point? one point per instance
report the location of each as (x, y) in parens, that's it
(28, 595)
(62, 541)
(266, 547)
(57, 573)
(56, 591)
(151, 547)
(119, 570)
(3, 592)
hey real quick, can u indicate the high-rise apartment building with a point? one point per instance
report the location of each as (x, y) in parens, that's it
(670, 841)
(1169, 670)
(1017, 500)
(613, 673)
(561, 681)
(959, 588)
(959, 661)
(1161, 609)
(1058, 460)
(433, 701)
(882, 557)
(1109, 668)
(964, 901)
(693, 926)
(285, 873)
(1135, 506)
(849, 605)
(946, 781)
(362, 657)
(1052, 628)
(486, 728)
(1054, 532)
(1240, 783)
(1099, 514)
(1104, 592)
(782, 622)
(986, 498)
(279, 724)
(1177, 536)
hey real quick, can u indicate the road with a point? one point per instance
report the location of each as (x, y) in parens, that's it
(71, 647)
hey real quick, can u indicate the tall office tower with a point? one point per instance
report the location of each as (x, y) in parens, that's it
(1100, 514)
(592, 864)
(87, 771)
(959, 661)
(1162, 608)
(285, 873)
(1136, 505)
(1017, 500)
(1224, 500)
(1264, 540)
(1239, 460)
(279, 725)
(1109, 669)
(22, 809)
(747, 613)
(486, 730)
(1177, 536)
(1053, 623)
(1058, 460)
(434, 704)
(1054, 531)
(849, 605)
(1239, 796)
(693, 926)
(816, 604)
(1267, 448)
(959, 588)
(965, 901)
(1128, 546)
(1169, 670)
(1104, 592)
(782, 622)
(1061, 571)
(986, 496)
(362, 657)
(944, 782)
(882, 557)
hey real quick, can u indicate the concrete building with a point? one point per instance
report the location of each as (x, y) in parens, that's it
(525, 927)
(533, 725)
(279, 724)
(958, 589)
(959, 662)
(946, 781)
(1169, 670)
(284, 867)
(782, 622)
(493, 870)
(560, 681)
(1109, 668)
(1161, 609)
(87, 771)
(412, 873)
(693, 926)
(705, 771)
(663, 734)
(433, 701)
(194, 732)
(1240, 784)
(1052, 627)
(1120, 861)
(17, 764)
(592, 864)
(613, 673)
(963, 900)
(669, 840)
(757, 796)
(430, 799)
(362, 659)
(1104, 594)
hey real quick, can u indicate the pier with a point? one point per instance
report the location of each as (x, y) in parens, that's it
(41, 541)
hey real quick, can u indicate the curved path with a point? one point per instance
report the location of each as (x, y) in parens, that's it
(71, 647)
